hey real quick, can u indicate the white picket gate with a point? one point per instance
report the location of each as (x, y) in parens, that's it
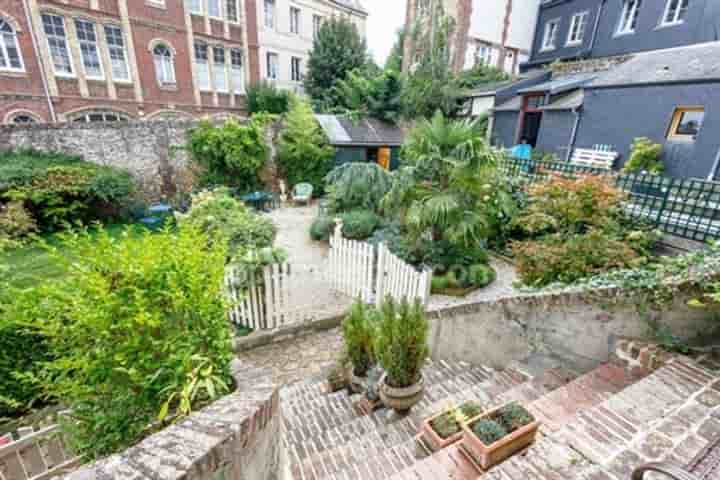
(351, 266)
(399, 280)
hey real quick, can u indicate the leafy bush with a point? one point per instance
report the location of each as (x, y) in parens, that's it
(459, 277)
(359, 224)
(15, 221)
(56, 189)
(232, 154)
(266, 97)
(488, 431)
(304, 155)
(226, 220)
(645, 157)
(358, 332)
(513, 416)
(356, 185)
(137, 329)
(368, 92)
(450, 423)
(322, 228)
(401, 344)
(559, 258)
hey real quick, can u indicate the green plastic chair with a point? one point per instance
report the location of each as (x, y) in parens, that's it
(302, 193)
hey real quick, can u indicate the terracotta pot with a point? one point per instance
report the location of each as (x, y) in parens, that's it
(488, 456)
(402, 399)
(433, 439)
(357, 383)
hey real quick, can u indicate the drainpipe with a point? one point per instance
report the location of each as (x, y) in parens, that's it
(41, 64)
(573, 136)
(596, 27)
(713, 172)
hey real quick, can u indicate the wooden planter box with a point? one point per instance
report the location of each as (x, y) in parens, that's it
(435, 441)
(488, 456)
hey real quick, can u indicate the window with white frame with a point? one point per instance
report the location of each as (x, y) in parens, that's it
(89, 51)
(202, 66)
(272, 66)
(213, 7)
(194, 6)
(164, 65)
(269, 13)
(236, 70)
(219, 76)
(483, 54)
(550, 35)
(295, 72)
(116, 52)
(317, 23)
(675, 12)
(629, 16)
(98, 116)
(578, 24)
(54, 28)
(231, 11)
(23, 119)
(10, 58)
(294, 20)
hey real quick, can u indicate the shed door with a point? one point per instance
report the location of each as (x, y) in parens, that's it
(384, 158)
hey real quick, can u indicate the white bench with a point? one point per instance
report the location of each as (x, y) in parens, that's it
(601, 157)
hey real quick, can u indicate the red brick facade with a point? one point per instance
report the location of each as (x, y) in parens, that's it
(35, 90)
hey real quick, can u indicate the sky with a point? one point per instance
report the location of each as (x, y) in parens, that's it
(384, 19)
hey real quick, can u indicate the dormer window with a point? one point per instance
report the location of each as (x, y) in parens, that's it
(578, 24)
(675, 12)
(629, 16)
(550, 35)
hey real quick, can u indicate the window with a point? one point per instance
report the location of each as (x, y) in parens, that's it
(54, 28)
(294, 20)
(23, 119)
(577, 28)
(551, 29)
(686, 123)
(219, 77)
(231, 10)
(10, 58)
(629, 16)
(295, 73)
(202, 66)
(317, 23)
(270, 13)
(89, 49)
(164, 67)
(213, 7)
(237, 72)
(99, 116)
(483, 54)
(535, 101)
(116, 52)
(194, 6)
(272, 66)
(675, 12)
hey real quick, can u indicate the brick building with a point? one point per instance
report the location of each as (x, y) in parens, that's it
(104, 60)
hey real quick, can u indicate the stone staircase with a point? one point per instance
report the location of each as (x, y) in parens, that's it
(598, 425)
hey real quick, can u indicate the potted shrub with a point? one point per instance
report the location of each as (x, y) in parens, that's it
(496, 435)
(445, 428)
(358, 334)
(401, 348)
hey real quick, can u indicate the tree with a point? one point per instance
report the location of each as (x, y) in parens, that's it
(377, 95)
(395, 58)
(337, 50)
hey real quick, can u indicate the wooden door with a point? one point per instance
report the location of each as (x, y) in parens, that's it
(384, 157)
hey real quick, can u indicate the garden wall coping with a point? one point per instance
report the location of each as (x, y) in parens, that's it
(235, 438)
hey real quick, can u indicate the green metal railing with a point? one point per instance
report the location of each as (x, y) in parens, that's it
(688, 208)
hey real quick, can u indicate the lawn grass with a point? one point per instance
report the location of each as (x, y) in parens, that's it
(32, 263)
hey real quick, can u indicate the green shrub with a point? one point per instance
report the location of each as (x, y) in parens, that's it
(15, 221)
(227, 220)
(322, 228)
(304, 155)
(232, 154)
(360, 224)
(645, 157)
(513, 416)
(358, 333)
(357, 185)
(401, 343)
(137, 329)
(481, 275)
(488, 431)
(266, 97)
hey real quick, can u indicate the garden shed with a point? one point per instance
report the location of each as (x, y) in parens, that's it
(363, 140)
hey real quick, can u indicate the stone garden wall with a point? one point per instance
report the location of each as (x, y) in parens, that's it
(143, 148)
(581, 327)
(235, 438)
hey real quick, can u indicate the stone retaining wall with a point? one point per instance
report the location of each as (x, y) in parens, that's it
(235, 438)
(578, 326)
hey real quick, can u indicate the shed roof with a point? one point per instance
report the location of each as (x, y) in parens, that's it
(700, 62)
(567, 101)
(512, 105)
(560, 84)
(342, 130)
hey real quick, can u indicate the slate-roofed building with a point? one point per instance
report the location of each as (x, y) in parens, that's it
(363, 140)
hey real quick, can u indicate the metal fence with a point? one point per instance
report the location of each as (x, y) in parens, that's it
(688, 208)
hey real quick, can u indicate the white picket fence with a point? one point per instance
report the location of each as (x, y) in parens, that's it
(399, 280)
(36, 455)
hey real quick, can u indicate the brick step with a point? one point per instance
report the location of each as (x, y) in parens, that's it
(310, 388)
(560, 405)
(449, 463)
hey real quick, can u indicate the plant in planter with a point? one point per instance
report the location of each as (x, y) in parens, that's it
(445, 428)
(498, 434)
(358, 333)
(401, 348)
